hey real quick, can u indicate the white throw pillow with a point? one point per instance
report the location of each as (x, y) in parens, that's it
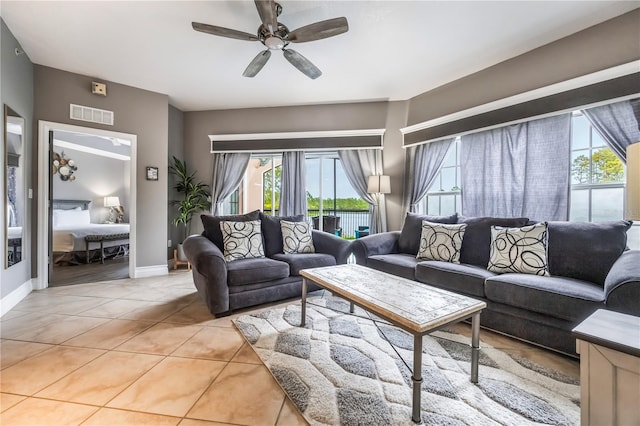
(296, 237)
(242, 240)
(441, 242)
(522, 250)
(71, 218)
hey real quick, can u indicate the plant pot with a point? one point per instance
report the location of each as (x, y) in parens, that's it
(181, 255)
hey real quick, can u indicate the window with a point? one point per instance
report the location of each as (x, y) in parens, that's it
(261, 184)
(597, 175)
(444, 195)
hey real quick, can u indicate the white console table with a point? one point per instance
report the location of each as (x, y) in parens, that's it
(609, 347)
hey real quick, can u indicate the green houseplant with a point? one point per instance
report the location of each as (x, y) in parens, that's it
(196, 197)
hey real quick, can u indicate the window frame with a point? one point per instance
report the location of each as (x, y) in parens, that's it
(457, 195)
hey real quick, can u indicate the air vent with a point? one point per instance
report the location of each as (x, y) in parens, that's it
(94, 115)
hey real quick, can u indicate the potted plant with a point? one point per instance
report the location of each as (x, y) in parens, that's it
(196, 198)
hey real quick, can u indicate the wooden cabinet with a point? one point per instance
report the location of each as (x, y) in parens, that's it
(609, 347)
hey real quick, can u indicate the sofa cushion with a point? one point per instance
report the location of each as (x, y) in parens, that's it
(296, 237)
(250, 271)
(300, 261)
(272, 232)
(409, 240)
(586, 251)
(400, 264)
(559, 297)
(522, 250)
(477, 237)
(212, 225)
(465, 279)
(439, 241)
(242, 240)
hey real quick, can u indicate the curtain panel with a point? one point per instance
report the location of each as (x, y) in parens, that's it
(521, 170)
(358, 166)
(293, 187)
(618, 123)
(423, 164)
(227, 173)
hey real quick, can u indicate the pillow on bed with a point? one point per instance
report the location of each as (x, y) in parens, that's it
(66, 218)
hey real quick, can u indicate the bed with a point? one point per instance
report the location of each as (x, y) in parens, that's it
(76, 240)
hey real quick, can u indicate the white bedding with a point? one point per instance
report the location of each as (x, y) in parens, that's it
(71, 238)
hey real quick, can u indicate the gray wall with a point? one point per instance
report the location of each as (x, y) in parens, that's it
(199, 125)
(16, 91)
(393, 159)
(176, 148)
(136, 111)
(96, 178)
(611, 43)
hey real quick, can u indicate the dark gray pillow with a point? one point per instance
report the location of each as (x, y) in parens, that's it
(476, 243)
(272, 233)
(586, 251)
(409, 240)
(212, 225)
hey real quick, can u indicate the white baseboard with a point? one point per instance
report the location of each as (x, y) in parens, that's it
(151, 271)
(12, 299)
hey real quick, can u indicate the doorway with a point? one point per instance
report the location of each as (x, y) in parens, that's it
(86, 205)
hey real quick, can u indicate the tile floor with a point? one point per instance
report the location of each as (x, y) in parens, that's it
(147, 351)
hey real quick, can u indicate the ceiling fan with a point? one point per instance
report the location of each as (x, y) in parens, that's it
(276, 36)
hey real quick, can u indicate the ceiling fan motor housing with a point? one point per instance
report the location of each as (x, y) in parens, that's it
(275, 41)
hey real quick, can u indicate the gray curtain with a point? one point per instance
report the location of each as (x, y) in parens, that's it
(228, 170)
(358, 166)
(423, 164)
(293, 187)
(618, 124)
(521, 170)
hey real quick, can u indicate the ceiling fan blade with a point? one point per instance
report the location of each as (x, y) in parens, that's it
(268, 15)
(319, 30)
(223, 32)
(302, 63)
(256, 65)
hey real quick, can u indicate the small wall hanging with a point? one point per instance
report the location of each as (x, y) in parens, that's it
(63, 166)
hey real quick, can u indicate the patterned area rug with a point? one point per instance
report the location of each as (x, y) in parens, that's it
(355, 370)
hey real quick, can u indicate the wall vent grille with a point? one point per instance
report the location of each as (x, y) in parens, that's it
(94, 115)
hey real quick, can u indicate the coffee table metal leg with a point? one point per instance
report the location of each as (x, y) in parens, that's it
(475, 346)
(352, 308)
(303, 314)
(417, 378)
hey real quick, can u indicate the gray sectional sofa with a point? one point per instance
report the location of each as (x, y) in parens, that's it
(227, 286)
(589, 264)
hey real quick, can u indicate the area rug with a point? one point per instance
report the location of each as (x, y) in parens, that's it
(343, 369)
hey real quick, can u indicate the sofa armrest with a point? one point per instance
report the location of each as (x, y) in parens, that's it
(622, 285)
(209, 273)
(327, 243)
(371, 245)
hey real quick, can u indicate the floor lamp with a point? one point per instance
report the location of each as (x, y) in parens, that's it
(378, 184)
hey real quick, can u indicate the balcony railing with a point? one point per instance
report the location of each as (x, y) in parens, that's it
(350, 220)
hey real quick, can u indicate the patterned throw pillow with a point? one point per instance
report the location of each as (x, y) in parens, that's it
(521, 250)
(296, 237)
(441, 242)
(242, 240)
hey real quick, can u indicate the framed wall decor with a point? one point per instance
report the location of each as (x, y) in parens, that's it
(152, 173)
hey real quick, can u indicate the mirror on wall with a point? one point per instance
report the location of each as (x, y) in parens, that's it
(15, 200)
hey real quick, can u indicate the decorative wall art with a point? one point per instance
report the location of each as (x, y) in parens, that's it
(63, 166)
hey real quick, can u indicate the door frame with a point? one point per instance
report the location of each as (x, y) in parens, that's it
(44, 127)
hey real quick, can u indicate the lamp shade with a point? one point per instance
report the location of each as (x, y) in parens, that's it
(111, 201)
(380, 184)
(632, 210)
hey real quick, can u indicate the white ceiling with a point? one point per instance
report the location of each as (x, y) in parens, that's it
(394, 50)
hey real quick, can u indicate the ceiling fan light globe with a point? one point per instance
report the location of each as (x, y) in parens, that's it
(274, 43)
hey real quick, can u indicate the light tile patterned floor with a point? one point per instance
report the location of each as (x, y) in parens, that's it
(147, 352)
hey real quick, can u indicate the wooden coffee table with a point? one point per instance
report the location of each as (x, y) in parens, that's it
(410, 305)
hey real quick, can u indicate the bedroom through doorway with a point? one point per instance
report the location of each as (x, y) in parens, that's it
(90, 200)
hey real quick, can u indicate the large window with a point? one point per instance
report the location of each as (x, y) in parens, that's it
(597, 175)
(444, 194)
